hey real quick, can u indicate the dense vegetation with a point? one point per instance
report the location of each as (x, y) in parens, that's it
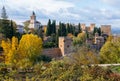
(110, 52)
(74, 68)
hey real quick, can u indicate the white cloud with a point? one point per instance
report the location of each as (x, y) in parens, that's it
(73, 11)
(18, 8)
(48, 5)
(114, 3)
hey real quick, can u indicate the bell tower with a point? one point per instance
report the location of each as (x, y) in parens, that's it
(33, 17)
(32, 20)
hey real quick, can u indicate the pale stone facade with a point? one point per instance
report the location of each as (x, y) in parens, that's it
(106, 29)
(65, 45)
(83, 26)
(34, 24)
(88, 28)
(92, 26)
(99, 39)
(52, 52)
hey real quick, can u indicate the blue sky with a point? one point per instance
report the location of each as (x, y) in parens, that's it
(73, 11)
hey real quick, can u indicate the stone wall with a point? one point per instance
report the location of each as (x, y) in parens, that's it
(92, 26)
(83, 26)
(52, 52)
(65, 45)
(106, 29)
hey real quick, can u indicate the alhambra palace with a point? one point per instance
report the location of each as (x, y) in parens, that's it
(65, 46)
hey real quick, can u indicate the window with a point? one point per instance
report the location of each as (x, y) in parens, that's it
(68, 46)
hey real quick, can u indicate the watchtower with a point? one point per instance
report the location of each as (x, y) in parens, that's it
(92, 26)
(106, 29)
(65, 45)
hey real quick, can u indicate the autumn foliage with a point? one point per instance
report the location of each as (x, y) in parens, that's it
(28, 48)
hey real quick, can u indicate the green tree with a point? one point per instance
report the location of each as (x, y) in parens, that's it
(99, 31)
(80, 39)
(8, 28)
(4, 14)
(84, 56)
(39, 32)
(26, 24)
(79, 28)
(53, 26)
(48, 31)
(62, 29)
(68, 28)
(95, 30)
(110, 52)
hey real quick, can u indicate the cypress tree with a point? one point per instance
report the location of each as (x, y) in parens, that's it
(71, 28)
(62, 29)
(53, 27)
(68, 28)
(7, 29)
(79, 28)
(74, 30)
(48, 31)
(64, 32)
(95, 30)
(99, 31)
(4, 14)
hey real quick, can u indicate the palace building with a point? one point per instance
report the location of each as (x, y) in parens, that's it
(33, 23)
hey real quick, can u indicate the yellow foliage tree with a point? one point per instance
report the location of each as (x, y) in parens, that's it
(70, 35)
(30, 46)
(10, 48)
(110, 52)
(84, 56)
(80, 39)
(28, 49)
(110, 38)
(81, 36)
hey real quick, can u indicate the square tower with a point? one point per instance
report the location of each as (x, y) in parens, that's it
(92, 26)
(83, 26)
(65, 45)
(106, 29)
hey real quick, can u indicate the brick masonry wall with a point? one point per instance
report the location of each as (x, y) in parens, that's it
(52, 52)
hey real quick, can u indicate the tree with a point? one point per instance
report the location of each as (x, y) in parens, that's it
(99, 31)
(4, 14)
(110, 52)
(26, 24)
(79, 28)
(62, 29)
(53, 26)
(10, 50)
(48, 32)
(68, 28)
(95, 30)
(8, 28)
(84, 56)
(39, 32)
(30, 47)
(80, 39)
(74, 33)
